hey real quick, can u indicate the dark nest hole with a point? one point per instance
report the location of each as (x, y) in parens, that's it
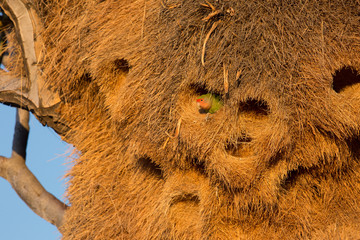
(200, 89)
(121, 66)
(78, 87)
(292, 177)
(147, 165)
(241, 148)
(85, 79)
(354, 146)
(257, 107)
(186, 197)
(344, 77)
(202, 111)
(198, 165)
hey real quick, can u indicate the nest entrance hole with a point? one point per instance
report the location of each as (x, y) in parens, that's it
(344, 77)
(292, 177)
(146, 164)
(354, 146)
(200, 89)
(186, 197)
(121, 66)
(241, 148)
(198, 165)
(256, 107)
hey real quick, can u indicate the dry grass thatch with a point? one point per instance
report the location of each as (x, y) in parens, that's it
(279, 160)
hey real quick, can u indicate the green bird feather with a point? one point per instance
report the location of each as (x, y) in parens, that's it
(209, 103)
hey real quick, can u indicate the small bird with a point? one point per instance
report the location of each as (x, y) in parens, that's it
(209, 103)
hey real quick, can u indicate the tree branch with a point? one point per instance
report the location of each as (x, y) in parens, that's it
(19, 14)
(21, 134)
(11, 93)
(24, 182)
(32, 94)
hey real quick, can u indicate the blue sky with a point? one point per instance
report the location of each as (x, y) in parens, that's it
(46, 158)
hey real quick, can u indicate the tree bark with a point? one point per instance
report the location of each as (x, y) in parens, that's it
(29, 92)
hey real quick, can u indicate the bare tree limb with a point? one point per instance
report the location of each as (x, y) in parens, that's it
(21, 134)
(18, 12)
(23, 181)
(11, 93)
(31, 94)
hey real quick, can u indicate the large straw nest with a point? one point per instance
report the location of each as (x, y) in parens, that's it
(279, 160)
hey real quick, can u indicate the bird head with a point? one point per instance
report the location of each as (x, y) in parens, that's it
(203, 103)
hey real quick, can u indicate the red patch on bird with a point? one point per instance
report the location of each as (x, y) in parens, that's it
(199, 100)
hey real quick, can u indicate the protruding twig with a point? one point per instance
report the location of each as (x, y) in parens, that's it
(143, 20)
(170, 6)
(226, 79)
(214, 11)
(238, 74)
(206, 39)
(177, 131)
(212, 14)
(209, 5)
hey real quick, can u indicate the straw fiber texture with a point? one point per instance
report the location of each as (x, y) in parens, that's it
(280, 159)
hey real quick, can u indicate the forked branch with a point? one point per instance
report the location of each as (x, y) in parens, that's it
(23, 181)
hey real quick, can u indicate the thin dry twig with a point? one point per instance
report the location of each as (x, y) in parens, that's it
(226, 79)
(213, 27)
(177, 131)
(171, 6)
(214, 11)
(211, 15)
(143, 20)
(238, 74)
(165, 143)
(208, 4)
